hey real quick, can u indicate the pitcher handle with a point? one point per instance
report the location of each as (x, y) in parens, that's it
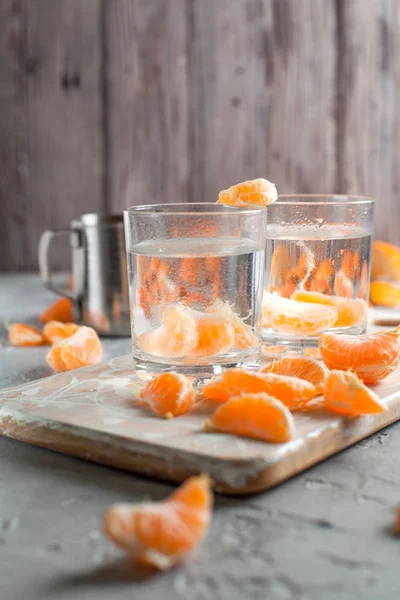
(45, 272)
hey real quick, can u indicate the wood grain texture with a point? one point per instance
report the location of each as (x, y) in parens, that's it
(147, 102)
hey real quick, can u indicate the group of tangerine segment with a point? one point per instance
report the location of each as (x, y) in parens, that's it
(20, 334)
(60, 310)
(83, 348)
(385, 293)
(215, 336)
(214, 389)
(257, 416)
(168, 395)
(346, 394)
(260, 192)
(372, 357)
(243, 334)
(309, 369)
(351, 312)
(385, 263)
(297, 318)
(163, 533)
(176, 336)
(55, 331)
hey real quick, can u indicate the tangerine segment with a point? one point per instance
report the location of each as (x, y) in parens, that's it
(292, 391)
(83, 348)
(20, 334)
(60, 310)
(176, 336)
(257, 416)
(243, 334)
(350, 312)
(372, 357)
(343, 285)
(384, 293)
(256, 191)
(214, 389)
(162, 533)
(55, 331)
(297, 318)
(168, 395)
(302, 367)
(346, 394)
(215, 336)
(385, 261)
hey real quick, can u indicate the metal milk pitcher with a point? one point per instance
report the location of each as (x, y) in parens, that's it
(100, 292)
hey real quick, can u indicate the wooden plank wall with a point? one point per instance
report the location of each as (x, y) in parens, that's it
(110, 103)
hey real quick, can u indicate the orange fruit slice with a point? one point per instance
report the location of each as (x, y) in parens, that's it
(297, 318)
(372, 357)
(55, 331)
(243, 334)
(214, 389)
(257, 416)
(162, 533)
(385, 262)
(280, 267)
(350, 312)
(168, 395)
(345, 394)
(260, 192)
(176, 336)
(83, 348)
(384, 293)
(20, 334)
(302, 367)
(215, 336)
(60, 310)
(343, 285)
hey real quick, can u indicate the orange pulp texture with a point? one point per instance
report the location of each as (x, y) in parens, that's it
(243, 334)
(168, 395)
(350, 312)
(83, 348)
(215, 336)
(257, 416)
(214, 389)
(20, 334)
(297, 318)
(163, 533)
(60, 310)
(259, 192)
(176, 336)
(55, 331)
(372, 357)
(346, 394)
(302, 367)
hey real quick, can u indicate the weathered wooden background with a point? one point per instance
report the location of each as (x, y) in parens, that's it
(109, 103)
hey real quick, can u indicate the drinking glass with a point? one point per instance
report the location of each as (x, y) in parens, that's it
(196, 283)
(318, 250)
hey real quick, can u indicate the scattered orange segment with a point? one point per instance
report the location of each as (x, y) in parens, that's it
(55, 331)
(214, 389)
(346, 394)
(83, 348)
(60, 310)
(20, 334)
(163, 533)
(298, 318)
(259, 192)
(385, 261)
(350, 312)
(176, 336)
(302, 367)
(372, 357)
(257, 416)
(243, 334)
(168, 395)
(215, 336)
(385, 293)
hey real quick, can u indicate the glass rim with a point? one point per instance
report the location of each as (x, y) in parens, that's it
(152, 210)
(322, 200)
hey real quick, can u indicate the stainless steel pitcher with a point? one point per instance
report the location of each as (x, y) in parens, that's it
(100, 293)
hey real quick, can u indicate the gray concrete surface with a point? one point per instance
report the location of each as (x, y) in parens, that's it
(323, 535)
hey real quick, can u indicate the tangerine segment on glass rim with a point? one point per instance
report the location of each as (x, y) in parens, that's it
(163, 533)
(258, 192)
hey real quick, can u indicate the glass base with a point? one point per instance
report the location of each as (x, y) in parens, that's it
(300, 344)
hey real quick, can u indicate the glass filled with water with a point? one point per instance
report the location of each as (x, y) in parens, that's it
(317, 258)
(196, 276)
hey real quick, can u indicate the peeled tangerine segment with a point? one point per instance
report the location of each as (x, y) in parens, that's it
(351, 312)
(243, 334)
(372, 357)
(257, 416)
(345, 394)
(168, 395)
(215, 336)
(385, 261)
(259, 192)
(176, 336)
(20, 334)
(384, 293)
(294, 365)
(163, 533)
(81, 349)
(214, 389)
(297, 318)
